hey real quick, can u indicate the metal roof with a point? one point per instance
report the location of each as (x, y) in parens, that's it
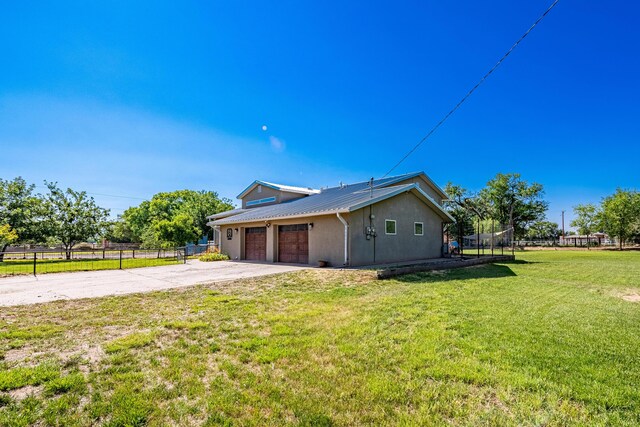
(333, 200)
(227, 213)
(281, 187)
(393, 179)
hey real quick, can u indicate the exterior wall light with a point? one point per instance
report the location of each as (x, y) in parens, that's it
(310, 226)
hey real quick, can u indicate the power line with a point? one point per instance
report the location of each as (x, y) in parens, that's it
(112, 195)
(104, 195)
(464, 98)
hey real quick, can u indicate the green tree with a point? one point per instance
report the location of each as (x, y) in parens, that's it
(7, 235)
(586, 220)
(543, 230)
(514, 201)
(175, 232)
(620, 216)
(138, 220)
(22, 211)
(73, 217)
(173, 218)
(118, 231)
(458, 207)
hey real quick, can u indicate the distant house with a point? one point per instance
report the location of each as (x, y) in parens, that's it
(387, 220)
(499, 238)
(581, 240)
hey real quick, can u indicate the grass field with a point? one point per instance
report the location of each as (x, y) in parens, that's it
(547, 340)
(21, 266)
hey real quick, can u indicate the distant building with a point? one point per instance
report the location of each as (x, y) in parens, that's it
(583, 240)
(499, 238)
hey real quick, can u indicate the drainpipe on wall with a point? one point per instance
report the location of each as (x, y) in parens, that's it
(217, 237)
(346, 238)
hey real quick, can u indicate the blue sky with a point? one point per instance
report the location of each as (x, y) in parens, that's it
(133, 98)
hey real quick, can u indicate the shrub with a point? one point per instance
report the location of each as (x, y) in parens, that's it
(213, 256)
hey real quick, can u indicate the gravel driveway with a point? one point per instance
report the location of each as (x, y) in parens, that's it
(19, 290)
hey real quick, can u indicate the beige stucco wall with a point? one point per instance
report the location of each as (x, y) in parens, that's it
(281, 196)
(406, 209)
(230, 247)
(326, 239)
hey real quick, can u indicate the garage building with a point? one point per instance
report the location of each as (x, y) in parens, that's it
(387, 220)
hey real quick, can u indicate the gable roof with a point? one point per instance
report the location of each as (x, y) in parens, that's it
(333, 200)
(280, 187)
(394, 179)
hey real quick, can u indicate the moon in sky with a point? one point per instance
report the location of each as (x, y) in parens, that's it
(264, 128)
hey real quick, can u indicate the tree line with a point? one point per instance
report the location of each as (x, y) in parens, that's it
(168, 219)
(68, 217)
(618, 215)
(518, 205)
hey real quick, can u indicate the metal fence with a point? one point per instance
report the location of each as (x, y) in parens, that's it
(194, 250)
(42, 262)
(487, 239)
(58, 261)
(572, 243)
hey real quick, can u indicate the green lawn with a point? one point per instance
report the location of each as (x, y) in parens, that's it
(546, 340)
(21, 266)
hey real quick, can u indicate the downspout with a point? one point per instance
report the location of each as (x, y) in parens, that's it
(346, 238)
(217, 237)
(374, 234)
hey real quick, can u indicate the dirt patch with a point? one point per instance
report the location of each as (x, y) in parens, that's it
(94, 354)
(631, 298)
(21, 393)
(88, 354)
(26, 356)
(16, 355)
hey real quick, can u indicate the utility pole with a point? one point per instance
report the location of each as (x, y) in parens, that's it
(562, 227)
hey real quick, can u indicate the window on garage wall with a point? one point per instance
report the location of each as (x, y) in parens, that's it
(390, 226)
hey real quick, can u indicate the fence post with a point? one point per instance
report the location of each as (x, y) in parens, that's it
(133, 253)
(35, 259)
(120, 259)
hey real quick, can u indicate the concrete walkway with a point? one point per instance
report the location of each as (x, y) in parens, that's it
(19, 290)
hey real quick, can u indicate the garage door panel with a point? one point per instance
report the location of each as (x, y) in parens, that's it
(293, 243)
(255, 243)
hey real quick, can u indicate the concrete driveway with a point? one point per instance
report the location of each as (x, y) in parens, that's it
(21, 290)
